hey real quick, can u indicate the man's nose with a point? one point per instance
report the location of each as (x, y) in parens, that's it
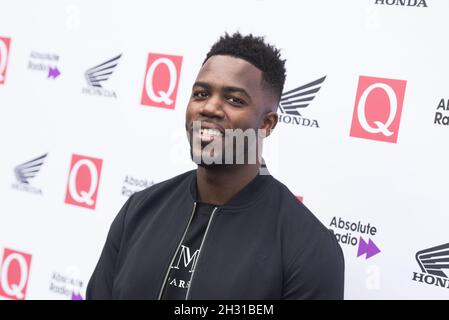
(212, 108)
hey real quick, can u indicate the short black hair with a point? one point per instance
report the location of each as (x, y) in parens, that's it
(256, 51)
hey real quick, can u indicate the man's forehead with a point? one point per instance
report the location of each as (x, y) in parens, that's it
(230, 71)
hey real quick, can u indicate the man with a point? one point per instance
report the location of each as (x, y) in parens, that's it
(223, 231)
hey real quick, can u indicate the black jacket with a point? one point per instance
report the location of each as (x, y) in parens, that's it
(262, 244)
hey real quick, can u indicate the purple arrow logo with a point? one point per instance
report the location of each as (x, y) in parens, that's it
(369, 248)
(53, 72)
(76, 296)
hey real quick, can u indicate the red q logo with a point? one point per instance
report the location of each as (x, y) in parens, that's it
(378, 108)
(14, 273)
(84, 178)
(4, 53)
(161, 81)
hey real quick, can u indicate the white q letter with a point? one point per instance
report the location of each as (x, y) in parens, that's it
(14, 290)
(83, 196)
(381, 127)
(164, 96)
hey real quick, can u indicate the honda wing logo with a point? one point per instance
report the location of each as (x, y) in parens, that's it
(98, 74)
(434, 264)
(294, 100)
(434, 260)
(29, 169)
(299, 97)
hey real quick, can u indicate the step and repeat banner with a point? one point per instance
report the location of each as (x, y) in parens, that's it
(93, 97)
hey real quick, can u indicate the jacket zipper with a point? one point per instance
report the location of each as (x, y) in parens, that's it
(174, 255)
(201, 247)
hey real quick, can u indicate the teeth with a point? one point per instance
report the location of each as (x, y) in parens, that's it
(211, 132)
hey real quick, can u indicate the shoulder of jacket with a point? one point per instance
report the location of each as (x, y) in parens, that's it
(295, 211)
(162, 186)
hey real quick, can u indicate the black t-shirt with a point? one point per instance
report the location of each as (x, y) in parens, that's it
(181, 271)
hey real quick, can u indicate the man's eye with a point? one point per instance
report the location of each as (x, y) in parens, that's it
(236, 101)
(200, 94)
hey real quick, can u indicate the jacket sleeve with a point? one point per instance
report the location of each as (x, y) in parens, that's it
(101, 281)
(316, 270)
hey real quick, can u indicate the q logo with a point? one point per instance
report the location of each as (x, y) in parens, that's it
(161, 81)
(84, 178)
(4, 53)
(378, 108)
(14, 273)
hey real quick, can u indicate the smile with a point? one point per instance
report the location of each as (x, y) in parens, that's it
(211, 132)
(208, 135)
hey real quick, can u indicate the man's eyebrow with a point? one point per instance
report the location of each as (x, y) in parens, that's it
(227, 89)
(205, 85)
(237, 89)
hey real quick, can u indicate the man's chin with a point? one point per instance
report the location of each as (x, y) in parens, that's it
(211, 166)
(214, 159)
(207, 161)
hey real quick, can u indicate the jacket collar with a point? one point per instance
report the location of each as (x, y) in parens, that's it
(246, 197)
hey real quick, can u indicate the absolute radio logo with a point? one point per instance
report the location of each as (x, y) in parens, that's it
(68, 283)
(95, 77)
(434, 266)
(83, 182)
(294, 101)
(25, 172)
(4, 55)
(132, 184)
(352, 234)
(14, 274)
(442, 113)
(45, 62)
(378, 109)
(161, 81)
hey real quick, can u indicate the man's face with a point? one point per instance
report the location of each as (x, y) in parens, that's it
(228, 93)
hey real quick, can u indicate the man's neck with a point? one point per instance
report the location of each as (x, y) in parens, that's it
(218, 184)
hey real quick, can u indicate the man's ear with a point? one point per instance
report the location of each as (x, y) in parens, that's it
(269, 122)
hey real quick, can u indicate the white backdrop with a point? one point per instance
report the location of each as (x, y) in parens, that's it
(50, 243)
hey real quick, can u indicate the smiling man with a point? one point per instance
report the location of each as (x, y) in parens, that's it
(224, 230)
